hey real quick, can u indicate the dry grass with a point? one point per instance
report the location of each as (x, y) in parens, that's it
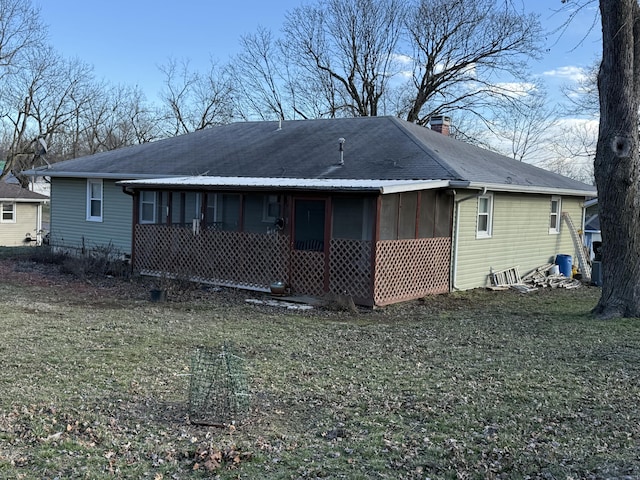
(94, 384)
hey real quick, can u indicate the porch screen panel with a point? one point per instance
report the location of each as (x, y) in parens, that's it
(444, 215)
(427, 220)
(352, 218)
(191, 207)
(309, 225)
(389, 217)
(222, 212)
(407, 215)
(176, 208)
(252, 215)
(163, 207)
(229, 212)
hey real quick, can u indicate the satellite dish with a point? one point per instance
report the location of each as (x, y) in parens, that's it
(43, 145)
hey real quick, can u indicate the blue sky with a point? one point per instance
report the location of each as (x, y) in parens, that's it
(126, 40)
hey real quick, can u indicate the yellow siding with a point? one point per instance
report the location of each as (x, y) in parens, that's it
(13, 234)
(520, 237)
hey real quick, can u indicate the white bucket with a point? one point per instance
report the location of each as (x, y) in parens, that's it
(555, 270)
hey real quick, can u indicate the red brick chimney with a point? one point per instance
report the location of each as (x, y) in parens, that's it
(440, 124)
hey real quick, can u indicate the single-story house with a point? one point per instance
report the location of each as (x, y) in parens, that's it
(20, 215)
(376, 208)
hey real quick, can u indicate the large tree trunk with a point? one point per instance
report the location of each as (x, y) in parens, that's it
(616, 165)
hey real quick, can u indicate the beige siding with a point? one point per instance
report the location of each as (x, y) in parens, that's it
(70, 227)
(14, 234)
(520, 236)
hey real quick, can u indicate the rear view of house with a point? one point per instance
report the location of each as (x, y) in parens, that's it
(375, 208)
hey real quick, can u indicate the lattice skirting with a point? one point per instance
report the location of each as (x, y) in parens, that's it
(405, 269)
(408, 269)
(243, 259)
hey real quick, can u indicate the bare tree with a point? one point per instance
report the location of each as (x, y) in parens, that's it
(524, 124)
(459, 47)
(572, 150)
(116, 117)
(260, 80)
(21, 30)
(194, 100)
(39, 101)
(617, 162)
(348, 48)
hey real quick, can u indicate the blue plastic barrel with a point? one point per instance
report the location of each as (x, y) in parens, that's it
(564, 264)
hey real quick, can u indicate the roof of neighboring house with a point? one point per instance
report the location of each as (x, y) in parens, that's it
(15, 193)
(380, 148)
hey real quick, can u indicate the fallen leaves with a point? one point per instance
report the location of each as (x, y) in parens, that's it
(210, 457)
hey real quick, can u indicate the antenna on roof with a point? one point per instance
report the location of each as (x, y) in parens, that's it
(42, 149)
(341, 147)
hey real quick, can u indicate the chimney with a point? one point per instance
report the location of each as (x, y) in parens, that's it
(440, 124)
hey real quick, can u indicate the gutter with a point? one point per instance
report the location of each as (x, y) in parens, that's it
(500, 187)
(454, 256)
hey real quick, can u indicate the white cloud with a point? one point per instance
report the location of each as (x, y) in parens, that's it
(569, 72)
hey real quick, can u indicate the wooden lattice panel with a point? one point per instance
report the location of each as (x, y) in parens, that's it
(244, 259)
(307, 272)
(350, 268)
(408, 269)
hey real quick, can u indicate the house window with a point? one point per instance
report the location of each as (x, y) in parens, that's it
(8, 214)
(270, 208)
(147, 207)
(94, 200)
(485, 214)
(554, 216)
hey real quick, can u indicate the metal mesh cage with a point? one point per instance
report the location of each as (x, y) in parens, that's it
(218, 392)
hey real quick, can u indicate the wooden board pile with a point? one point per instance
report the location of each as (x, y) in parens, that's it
(537, 278)
(541, 277)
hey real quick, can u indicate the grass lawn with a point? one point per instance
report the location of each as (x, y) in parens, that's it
(480, 384)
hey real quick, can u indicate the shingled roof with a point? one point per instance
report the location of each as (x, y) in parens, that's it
(380, 148)
(15, 193)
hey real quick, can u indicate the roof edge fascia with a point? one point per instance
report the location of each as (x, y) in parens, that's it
(497, 187)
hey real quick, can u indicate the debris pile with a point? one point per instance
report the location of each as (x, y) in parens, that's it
(541, 277)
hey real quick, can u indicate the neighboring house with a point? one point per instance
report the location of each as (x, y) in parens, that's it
(20, 216)
(376, 208)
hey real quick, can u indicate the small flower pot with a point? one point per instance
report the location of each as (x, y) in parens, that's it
(158, 295)
(278, 288)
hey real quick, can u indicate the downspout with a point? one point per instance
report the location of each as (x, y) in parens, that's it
(454, 267)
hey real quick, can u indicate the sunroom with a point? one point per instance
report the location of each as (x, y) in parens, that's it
(376, 241)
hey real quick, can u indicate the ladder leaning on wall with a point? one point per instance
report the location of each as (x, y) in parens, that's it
(583, 262)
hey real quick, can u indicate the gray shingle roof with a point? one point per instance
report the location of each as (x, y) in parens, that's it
(10, 191)
(382, 148)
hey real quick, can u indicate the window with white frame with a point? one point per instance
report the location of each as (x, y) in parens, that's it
(147, 207)
(554, 215)
(94, 200)
(485, 214)
(8, 212)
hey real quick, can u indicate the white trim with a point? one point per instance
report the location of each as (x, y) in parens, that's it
(558, 214)
(488, 233)
(91, 199)
(513, 188)
(381, 186)
(13, 212)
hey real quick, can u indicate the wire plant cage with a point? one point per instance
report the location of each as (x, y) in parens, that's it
(218, 392)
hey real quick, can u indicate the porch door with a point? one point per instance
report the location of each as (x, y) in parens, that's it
(310, 242)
